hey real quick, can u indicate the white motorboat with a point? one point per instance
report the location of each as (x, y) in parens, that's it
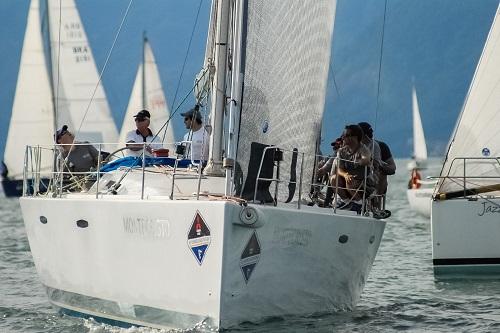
(466, 207)
(165, 245)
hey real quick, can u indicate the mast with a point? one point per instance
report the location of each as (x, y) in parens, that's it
(48, 61)
(214, 166)
(235, 104)
(144, 41)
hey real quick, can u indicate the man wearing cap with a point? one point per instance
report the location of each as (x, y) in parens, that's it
(197, 135)
(79, 157)
(142, 134)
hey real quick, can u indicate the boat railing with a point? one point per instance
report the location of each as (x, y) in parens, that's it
(471, 181)
(370, 199)
(48, 170)
(369, 202)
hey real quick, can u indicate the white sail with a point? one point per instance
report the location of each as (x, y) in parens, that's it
(32, 120)
(148, 94)
(280, 63)
(75, 77)
(419, 146)
(477, 132)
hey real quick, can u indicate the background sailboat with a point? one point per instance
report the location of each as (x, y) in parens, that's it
(147, 93)
(80, 99)
(69, 77)
(419, 191)
(419, 156)
(466, 210)
(32, 120)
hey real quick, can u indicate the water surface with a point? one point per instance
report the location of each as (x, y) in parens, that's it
(401, 293)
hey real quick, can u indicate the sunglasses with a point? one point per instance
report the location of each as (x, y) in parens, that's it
(187, 118)
(140, 119)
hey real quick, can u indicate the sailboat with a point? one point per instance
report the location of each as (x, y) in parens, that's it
(147, 93)
(419, 191)
(181, 246)
(419, 157)
(466, 207)
(54, 90)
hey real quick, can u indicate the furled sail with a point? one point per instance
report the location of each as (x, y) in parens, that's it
(75, 77)
(477, 132)
(32, 120)
(286, 55)
(419, 146)
(147, 93)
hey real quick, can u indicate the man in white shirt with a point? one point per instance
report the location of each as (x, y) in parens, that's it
(197, 135)
(142, 134)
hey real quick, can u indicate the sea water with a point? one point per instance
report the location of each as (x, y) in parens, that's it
(401, 293)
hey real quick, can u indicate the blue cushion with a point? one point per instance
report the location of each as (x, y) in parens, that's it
(132, 161)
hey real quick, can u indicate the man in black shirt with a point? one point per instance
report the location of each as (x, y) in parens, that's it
(386, 168)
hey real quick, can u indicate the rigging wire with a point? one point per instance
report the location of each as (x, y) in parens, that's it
(100, 74)
(380, 65)
(182, 69)
(58, 66)
(330, 67)
(379, 76)
(182, 102)
(65, 161)
(138, 158)
(105, 64)
(187, 52)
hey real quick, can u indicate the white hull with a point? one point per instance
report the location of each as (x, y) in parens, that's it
(420, 200)
(465, 237)
(134, 262)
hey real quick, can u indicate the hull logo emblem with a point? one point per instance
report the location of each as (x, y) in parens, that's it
(250, 256)
(199, 238)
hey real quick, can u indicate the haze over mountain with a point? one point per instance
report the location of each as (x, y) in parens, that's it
(434, 43)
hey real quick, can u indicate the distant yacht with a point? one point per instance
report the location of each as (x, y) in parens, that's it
(54, 87)
(466, 208)
(419, 191)
(147, 93)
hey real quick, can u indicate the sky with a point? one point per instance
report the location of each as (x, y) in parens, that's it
(431, 44)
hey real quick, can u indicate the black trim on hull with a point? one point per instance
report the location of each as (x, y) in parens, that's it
(466, 261)
(13, 188)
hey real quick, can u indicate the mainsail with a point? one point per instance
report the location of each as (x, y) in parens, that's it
(477, 131)
(32, 120)
(419, 146)
(147, 93)
(75, 77)
(285, 61)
